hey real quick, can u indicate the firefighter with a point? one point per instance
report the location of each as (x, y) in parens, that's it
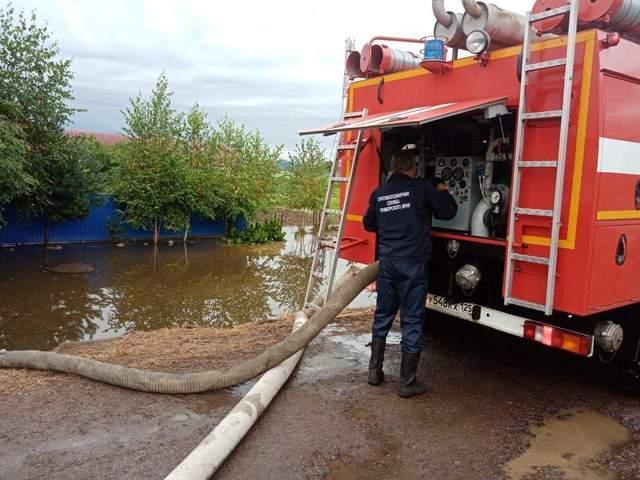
(400, 213)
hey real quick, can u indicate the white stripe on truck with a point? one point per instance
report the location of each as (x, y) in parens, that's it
(619, 156)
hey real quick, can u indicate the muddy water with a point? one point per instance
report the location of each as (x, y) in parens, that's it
(138, 287)
(568, 447)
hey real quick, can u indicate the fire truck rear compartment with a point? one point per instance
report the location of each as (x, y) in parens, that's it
(472, 141)
(472, 154)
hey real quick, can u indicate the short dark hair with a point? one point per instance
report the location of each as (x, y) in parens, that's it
(403, 161)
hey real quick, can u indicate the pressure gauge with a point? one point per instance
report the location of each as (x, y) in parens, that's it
(495, 197)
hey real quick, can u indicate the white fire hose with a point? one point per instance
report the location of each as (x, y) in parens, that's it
(209, 455)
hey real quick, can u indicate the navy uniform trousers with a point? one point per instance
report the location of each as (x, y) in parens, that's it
(401, 284)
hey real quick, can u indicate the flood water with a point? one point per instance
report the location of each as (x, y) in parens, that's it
(206, 283)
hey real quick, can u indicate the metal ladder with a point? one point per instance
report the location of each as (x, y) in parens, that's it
(317, 267)
(524, 117)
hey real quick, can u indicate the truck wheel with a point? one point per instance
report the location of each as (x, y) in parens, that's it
(626, 361)
(632, 366)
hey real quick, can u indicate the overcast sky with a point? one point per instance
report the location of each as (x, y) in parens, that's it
(275, 66)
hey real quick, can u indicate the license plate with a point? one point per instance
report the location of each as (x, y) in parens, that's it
(458, 309)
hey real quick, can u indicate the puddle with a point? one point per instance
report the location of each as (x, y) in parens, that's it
(567, 447)
(358, 343)
(359, 413)
(181, 417)
(207, 403)
(339, 470)
(348, 354)
(139, 288)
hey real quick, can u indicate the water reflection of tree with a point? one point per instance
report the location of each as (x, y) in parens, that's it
(137, 288)
(208, 286)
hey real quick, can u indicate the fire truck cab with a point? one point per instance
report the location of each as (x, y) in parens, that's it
(490, 126)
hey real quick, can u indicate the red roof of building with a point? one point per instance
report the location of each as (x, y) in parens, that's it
(103, 138)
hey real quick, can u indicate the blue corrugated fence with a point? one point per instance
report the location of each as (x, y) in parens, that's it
(93, 228)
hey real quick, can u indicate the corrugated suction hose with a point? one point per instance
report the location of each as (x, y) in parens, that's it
(346, 289)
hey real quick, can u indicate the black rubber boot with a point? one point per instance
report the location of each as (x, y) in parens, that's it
(409, 385)
(376, 375)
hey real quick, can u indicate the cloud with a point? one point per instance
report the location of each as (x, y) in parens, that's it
(275, 66)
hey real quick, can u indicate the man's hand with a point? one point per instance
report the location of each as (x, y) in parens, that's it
(442, 187)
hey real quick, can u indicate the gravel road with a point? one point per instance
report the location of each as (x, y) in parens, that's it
(497, 408)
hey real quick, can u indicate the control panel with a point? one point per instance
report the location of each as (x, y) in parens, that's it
(461, 175)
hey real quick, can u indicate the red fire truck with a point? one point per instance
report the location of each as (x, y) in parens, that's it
(535, 132)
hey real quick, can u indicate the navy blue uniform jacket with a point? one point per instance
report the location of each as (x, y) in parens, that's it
(400, 211)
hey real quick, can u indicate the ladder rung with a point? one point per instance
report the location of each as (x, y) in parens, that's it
(320, 275)
(340, 179)
(525, 304)
(535, 212)
(554, 12)
(353, 114)
(312, 306)
(347, 146)
(537, 115)
(538, 164)
(529, 259)
(548, 64)
(332, 211)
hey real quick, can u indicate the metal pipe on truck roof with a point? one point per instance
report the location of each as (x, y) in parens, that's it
(472, 8)
(627, 18)
(353, 65)
(441, 14)
(453, 33)
(448, 25)
(621, 16)
(503, 26)
(368, 52)
(396, 39)
(386, 60)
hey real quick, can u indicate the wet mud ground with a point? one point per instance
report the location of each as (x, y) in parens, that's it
(497, 408)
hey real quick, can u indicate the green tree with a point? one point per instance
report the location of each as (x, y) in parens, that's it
(203, 173)
(34, 77)
(15, 180)
(306, 184)
(163, 178)
(38, 83)
(97, 161)
(72, 178)
(154, 118)
(152, 183)
(247, 169)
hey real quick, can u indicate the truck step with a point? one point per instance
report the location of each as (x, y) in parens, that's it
(524, 303)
